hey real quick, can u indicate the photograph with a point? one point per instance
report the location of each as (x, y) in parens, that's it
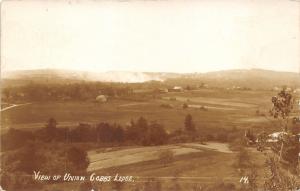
(150, 95)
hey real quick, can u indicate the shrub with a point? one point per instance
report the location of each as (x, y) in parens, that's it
(78, 161)
(222, 137)
(184, 106)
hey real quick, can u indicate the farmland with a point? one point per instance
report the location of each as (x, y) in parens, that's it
(218, 113)
(233, 108)
(100, 160)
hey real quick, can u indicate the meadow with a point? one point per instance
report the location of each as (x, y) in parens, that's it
(225, 109)
(214, 111)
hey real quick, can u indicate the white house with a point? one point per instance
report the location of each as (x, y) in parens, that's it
(178, 88)
(274, 137)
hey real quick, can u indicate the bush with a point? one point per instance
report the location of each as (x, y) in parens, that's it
(154, 135)
(189, 123)
(184, 106)
(77, 160)
(15, 139)
(222, 137)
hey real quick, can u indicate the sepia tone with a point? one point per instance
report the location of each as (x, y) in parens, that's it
(150, 95)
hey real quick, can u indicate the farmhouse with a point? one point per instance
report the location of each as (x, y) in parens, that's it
(163, 90)
(274, 137)
(176, 89)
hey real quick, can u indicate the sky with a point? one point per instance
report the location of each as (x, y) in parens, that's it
(153, 36)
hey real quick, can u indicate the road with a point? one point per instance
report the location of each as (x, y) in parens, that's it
(13, 106)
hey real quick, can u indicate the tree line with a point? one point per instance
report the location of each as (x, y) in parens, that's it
(72, 91)
(54, 150)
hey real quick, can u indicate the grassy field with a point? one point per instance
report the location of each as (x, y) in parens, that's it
(203, 167)
(226, 109)
(193, 163)
(102, 160)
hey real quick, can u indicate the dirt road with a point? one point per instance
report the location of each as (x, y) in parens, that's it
(13, 106)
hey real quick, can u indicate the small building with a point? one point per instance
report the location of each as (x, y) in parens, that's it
(236, 88)
(275, 137)
(163, 90)
(297, 90)
(202, 85)
(101, 98)
(176, 89)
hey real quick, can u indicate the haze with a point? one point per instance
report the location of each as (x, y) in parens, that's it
(156, 36)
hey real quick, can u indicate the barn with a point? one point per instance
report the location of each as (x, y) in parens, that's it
(101, 98)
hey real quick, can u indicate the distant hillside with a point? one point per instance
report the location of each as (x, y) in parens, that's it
(71, 76)
(255, 78)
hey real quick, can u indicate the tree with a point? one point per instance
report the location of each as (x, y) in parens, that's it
(287, 146)
(49, 133)
(137, 132)
(77, 160)
(185, 105)
(51, 123)
(188, 123)
(30, 159)
(118, 134)
(15, 138)
(105, 132)
(282, 107)
(83, 133)
(154, 135)
(250, 137)
(278, 180)
(142, 124)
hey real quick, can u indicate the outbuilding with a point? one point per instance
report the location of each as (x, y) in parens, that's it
(101, 98)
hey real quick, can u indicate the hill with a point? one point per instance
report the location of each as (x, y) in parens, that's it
(254, 78)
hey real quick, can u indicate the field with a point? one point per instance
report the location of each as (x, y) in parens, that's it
(101, 160)
(225, 109)
(190, 167)
(213, 110)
